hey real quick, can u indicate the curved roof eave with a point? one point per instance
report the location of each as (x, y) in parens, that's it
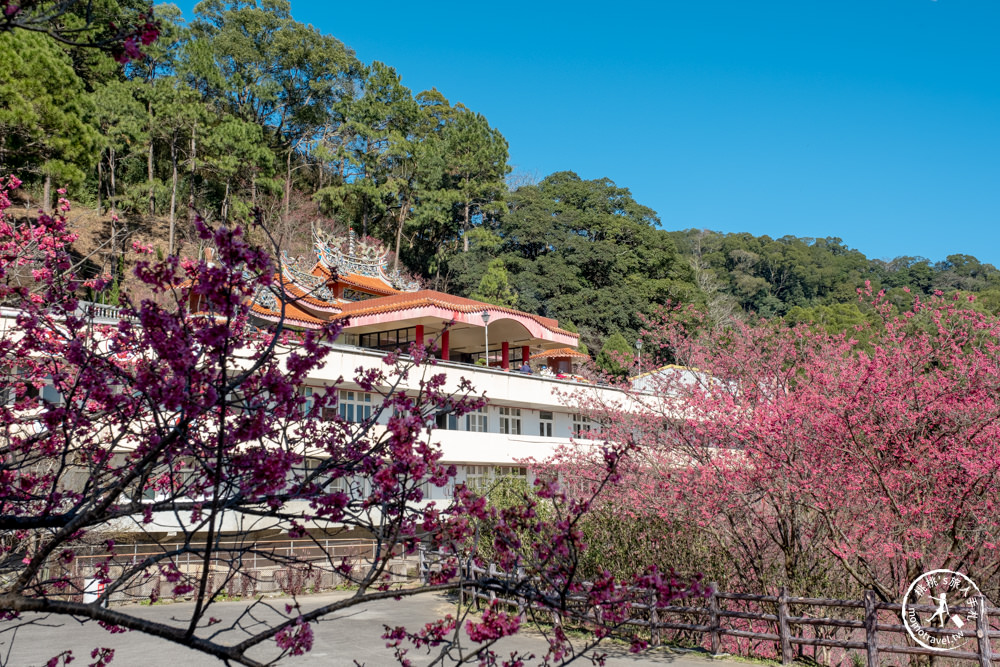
(442, 312)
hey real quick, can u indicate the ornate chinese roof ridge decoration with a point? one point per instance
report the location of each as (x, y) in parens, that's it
(295, 271)
(353, 256)
(265, 297)
(262, 296)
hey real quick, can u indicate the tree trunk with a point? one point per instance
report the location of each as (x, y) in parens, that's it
(288, 182)
(100, 182)
(225, 203)
(113, 193)
(465, 229)
(173, 190)
(149, 160)
(399, 236)
(47, 194)
(191, 179)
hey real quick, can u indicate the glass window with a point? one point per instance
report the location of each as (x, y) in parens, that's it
(476, 421)
(510, 421)
(480, 478)
(545, 424)
(446, 422)
(388, 340)
(581, 425)
(307, 393)
(355, 406)
(311, 464)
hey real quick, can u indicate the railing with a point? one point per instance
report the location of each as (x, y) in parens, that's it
(265, 567)
(712, 617)
(100, 311)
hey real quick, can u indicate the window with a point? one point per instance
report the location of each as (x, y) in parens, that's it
(307, 393)
(355, 406)
(510, 421)
(388, 340)
(481, 478)
(172, 481)
(476, 421)
(446, 421)
(7, 395)
(545, 424)
(51, 395)
(311, 464)
(581, 425)
(434, 492)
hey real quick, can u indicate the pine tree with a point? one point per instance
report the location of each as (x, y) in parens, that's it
(494, 287)
(615, 357)
(45, 134)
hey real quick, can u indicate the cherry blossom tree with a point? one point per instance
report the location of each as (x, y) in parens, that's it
(810, 460)
(178, 413)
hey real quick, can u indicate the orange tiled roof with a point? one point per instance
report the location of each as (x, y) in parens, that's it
(561, 352)
(376, 285)
(293, 316)
(423, 298)
(300, 295)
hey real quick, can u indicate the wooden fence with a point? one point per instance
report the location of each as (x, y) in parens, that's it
(710, 619)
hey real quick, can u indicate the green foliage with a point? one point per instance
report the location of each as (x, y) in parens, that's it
(583, 251)
(834, 318)
(625, 544)
(510, 494)
(234, 153)
(615, 358)
(770, 276)
(572, 328)
(494, 287)
(45, 124)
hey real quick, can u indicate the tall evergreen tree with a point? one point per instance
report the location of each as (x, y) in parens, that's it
(477, 164)
(615, 358)
(260, 64)
(46, 133)
(494, 286)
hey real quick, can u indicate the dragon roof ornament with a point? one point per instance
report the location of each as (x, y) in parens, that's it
(355, 256)
(296, 271)
(265, 297)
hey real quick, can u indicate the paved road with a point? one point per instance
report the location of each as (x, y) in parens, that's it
(353, 635)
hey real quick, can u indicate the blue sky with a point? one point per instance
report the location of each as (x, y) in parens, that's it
(876, 121)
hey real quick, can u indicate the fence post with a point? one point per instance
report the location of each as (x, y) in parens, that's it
(491, 572)
(654, 618)
(522, 600)
(713, 618)
(983, 633)
(871, 628)
(783, 633)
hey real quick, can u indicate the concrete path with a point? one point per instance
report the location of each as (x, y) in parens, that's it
(343, 639)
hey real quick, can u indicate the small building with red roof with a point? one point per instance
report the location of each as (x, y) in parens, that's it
(350, 280)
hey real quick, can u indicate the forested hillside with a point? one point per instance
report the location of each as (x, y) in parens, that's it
(240, 107)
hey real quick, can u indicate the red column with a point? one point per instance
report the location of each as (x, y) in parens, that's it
(444, 344)
(420, 334)
(505, 356)
(525, 353)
